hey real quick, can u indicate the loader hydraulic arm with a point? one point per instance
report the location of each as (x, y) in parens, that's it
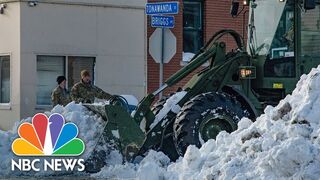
(208, 51)
(144, 111)
(193, 65)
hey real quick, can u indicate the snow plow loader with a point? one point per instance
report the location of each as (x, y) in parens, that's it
(229, 85)
(206, 109)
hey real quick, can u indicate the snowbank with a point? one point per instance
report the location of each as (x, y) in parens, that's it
(282, 143)
(152, 167)
(89, 125)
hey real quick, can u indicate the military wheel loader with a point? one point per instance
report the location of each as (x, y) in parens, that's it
(283, 43)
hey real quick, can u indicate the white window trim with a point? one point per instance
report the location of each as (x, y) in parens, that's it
(66, 72)
(43, 107)
(184, 63)
(7, 106)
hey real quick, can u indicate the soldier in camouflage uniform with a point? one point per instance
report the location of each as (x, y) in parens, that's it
(85, 92)
(60, 94)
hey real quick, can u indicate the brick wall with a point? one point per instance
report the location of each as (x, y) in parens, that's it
(216, 17)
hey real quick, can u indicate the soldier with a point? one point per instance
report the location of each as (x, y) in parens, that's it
(85, 92)
(60, 94)
(289, 36)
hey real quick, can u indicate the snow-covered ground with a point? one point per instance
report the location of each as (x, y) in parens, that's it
(283, 143)
(86, 121)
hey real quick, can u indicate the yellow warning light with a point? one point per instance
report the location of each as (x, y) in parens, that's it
(277, 86)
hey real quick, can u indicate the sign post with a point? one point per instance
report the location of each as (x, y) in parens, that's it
(157, 10)
(162, 60)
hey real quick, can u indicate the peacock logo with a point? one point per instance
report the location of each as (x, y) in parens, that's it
(48, 137)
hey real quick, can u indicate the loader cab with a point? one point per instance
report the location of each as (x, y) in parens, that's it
(280, 58)
(286, 43)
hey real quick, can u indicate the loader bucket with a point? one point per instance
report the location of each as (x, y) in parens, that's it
(121, 131)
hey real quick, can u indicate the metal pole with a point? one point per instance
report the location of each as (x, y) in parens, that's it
(161, 63)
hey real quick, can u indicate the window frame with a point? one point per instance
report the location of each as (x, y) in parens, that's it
(93, 75)
(202, 22)
(7, 106)
(42, 107)
(273, 62)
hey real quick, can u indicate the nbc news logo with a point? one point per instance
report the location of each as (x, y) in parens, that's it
(48, 137)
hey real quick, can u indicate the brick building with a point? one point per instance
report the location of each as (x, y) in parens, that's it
(196, 22)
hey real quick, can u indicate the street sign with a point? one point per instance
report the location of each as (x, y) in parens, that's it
(162, 53)
(162, 8)
(162, 43)
(162, 21)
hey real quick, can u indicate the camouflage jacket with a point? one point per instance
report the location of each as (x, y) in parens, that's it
(86, 92)
(60, 96)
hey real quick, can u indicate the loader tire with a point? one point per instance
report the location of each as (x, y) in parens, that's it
(167, 146)
(156, 107)
(203, 117)
(159, 105)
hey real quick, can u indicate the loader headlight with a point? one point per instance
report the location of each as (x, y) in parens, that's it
(247, 72)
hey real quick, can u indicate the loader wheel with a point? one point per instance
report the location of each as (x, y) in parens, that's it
(159, 105)
(155, 109)
(203, 117)
(167, 146)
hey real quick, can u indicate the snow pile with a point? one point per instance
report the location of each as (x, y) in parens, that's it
(131, 99)
(101, 102)
(152, 167)
(90, 127)
(282, 143)
(5, 149)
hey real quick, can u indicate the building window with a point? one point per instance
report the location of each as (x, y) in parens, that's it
(49, 67)
(5, 79)
(76, 65)
(192, 26)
